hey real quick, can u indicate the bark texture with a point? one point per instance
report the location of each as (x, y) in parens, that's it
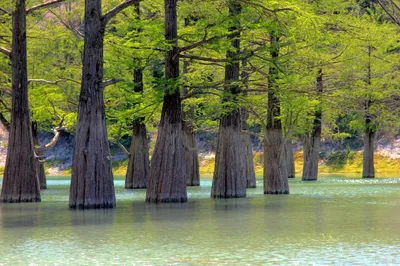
(139, 164)
(92, 183)
(312, 142)
(246, 138)
(20, 182)
(369, 136)
(167, 180)
(290, 159)
(275, 171)
(191, 155)
(229, 174)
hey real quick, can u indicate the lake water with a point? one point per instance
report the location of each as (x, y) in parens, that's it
(332, 221)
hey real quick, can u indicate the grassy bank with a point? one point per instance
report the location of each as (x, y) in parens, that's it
(336, 162)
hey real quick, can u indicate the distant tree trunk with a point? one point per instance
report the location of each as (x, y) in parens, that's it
(167, 180)
(92, 180)
(229, 176)
(246, 138)
(191, 154)
(369, 129)
(40, 160)
(290, 159)
(312, 142)
(369, 136)
(275, 172)
(138, 165)
(20, 182)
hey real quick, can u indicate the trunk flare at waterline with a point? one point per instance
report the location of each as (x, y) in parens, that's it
(20, 184)
(167, 179)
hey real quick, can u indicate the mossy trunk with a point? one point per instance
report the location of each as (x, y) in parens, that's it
(290, 159)
(249, 171)
(92, 183)
(138, 165)
(275, 167)
(229, 179)
(312, 142)
(167, 180)
(20, 180)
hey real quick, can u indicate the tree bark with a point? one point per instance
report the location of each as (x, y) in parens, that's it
(167, 180)
(369, 136)
(229, 174)
(290, 159)
(39, 161)
(312, 142)
(275, 171)
(92, 183)
(246, 138)
(20, 182)
(191, 154)
(138, 165)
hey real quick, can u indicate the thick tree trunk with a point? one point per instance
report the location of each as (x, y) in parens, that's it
(167, 180)
(275, 169)
(368, 155)
(20, 182)
(92, 183)
(312, 142)
(139, 165)
(229, 173)
(40, 158)
(290, 159)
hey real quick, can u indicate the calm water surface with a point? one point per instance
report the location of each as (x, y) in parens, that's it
(332, 221)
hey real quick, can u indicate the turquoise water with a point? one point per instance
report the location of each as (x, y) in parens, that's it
(332, 221)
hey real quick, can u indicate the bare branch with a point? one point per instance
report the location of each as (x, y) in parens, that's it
(5, 122)
(5, 11)
(199, 43)
(201, 58)
(47, 4)
(44, 148)
(44, 81)
(127, 153)
(113, 12)
(111, 82)
(5, 51)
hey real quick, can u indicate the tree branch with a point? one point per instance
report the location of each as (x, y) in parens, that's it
(111, 82)
(5, 51)
(44, 148)
(47, 4)
(113, 12)
(127, 153)
(5, 122)
(5, 11)
(45, 81)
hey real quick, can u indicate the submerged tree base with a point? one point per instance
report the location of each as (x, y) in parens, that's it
(24, 198)
(92, 206)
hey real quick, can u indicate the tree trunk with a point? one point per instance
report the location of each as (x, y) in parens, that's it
(20, 182)
(92, 183)
(290, 159)
(167, 180)
(275, 171)
(39, 161)
(229, 173)
(368, 155)
(191, 155)
(246, 138)
(312, 142)
(369, 135)
(139, 165)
